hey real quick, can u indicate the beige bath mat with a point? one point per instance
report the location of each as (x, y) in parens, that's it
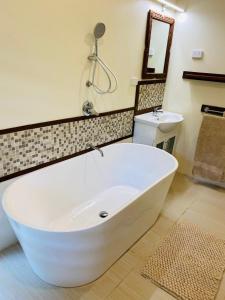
(189, 263)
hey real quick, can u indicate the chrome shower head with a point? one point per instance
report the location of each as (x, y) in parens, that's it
(99, 30)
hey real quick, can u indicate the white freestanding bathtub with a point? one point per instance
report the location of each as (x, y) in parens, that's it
(55, 212)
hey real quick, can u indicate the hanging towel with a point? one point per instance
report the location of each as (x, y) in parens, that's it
(209, 160)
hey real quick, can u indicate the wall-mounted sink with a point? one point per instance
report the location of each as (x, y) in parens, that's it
(165, 121)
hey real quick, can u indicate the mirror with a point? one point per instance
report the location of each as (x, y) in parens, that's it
(158, 40)
(158, 46)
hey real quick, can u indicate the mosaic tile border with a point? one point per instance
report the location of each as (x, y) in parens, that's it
(149, 94)
(28, 148)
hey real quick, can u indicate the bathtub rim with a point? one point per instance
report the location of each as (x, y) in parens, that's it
(132, 199)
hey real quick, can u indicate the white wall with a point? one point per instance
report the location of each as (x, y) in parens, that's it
(44, 50)
(202, 26)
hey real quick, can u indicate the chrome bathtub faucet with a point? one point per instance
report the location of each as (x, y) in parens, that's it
(96, 148)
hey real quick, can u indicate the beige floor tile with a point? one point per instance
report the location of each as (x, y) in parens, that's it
(179, 199)
(103, 286)
(161, 295)
(219, 202)
(88, 296)
(221, 293)
(205, 222)
(176, 207)
(118, 294)
(146, 245)
(135, 287)
(210, 210)
(125, 264)
(162, 226)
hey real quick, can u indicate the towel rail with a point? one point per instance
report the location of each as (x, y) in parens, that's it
(214, 110)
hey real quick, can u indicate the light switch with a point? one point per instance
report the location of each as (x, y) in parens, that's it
(197, 53)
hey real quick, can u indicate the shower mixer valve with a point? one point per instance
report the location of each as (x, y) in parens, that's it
(88, 109)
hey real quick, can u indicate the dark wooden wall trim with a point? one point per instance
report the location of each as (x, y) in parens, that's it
(38, 167)
(151, 81)
(137, 97)
(204, 76)
(60, 121)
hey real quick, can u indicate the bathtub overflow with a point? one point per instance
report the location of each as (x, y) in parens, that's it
(103, 214)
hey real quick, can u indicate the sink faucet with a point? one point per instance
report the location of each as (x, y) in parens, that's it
(96, 148)
(156, 111)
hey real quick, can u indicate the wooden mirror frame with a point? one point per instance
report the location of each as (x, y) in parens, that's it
(148, 73)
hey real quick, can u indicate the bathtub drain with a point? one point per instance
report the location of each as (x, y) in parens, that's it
(103, 214)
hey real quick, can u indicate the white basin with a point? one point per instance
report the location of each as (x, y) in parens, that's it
(165, 121)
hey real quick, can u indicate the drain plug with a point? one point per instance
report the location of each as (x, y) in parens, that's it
(103, 214)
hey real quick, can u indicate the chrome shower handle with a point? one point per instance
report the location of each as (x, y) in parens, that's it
(88, 109)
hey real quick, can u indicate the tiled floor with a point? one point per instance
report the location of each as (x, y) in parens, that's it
(186, 201)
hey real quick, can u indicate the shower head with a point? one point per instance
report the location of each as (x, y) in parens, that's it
(99, 30)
